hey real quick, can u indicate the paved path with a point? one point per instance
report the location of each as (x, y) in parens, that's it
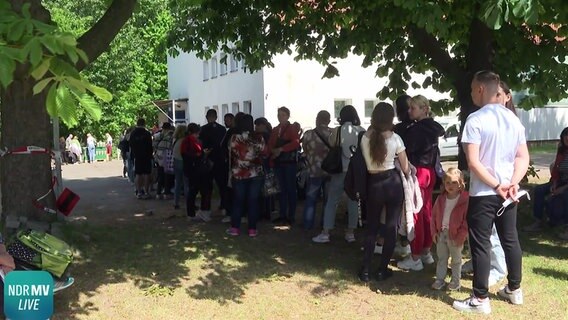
(107, 197)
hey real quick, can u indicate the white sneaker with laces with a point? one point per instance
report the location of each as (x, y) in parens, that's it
(473, 305)
(226, 220)
(427, 258)
(410, 264)
(515, 296)
(349, 237)
(321, 238)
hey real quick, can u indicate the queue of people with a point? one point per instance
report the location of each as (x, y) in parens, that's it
(399, 162)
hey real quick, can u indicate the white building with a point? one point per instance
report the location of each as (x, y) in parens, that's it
(297, 85)
(196, 86)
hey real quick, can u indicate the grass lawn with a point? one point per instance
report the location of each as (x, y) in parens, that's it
(166, 268)
(545, 147)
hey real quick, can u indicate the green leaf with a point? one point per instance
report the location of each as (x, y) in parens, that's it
(13, 53)
(72, 54)
(77, 85)
(493, 14)
(50, 102)
(82, 55)
(91, 106)
(50, 42)
(68, 40)
(100, 93)
(16, 30)
(40, 71)
(35, 50)
(66, 106)
(61, 68)
(41, 85)
(7, 68)
(26, 10)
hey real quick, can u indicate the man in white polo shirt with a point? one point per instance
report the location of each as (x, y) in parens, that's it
(497, 155)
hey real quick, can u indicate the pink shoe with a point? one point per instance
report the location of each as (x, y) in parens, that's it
(253, 233)
(232, 231)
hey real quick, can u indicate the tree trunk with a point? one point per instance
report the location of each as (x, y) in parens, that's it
(25, 120)
(479, 56)
(25, 177)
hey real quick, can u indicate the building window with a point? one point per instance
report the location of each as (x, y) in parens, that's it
(216, 108)
(213, 67)
(234, 63)
(225, 109)
(205, 113)
(338, 104)
(223, 62)
(235, 108)
(205, 70)
(369, 107)
(247, 107)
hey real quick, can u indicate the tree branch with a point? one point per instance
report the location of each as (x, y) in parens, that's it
(95, 41)
(436, 51)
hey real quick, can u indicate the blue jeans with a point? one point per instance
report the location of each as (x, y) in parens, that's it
(540, 193)
(246, 193)
(91, 151)
(334, 194)
(498, 264)
(180, 181)
(315, 185)
(286, 174)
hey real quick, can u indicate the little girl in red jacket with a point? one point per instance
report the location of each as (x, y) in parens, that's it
(449, 227)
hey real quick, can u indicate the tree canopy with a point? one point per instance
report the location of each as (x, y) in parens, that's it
(133, 68)
(522, 40)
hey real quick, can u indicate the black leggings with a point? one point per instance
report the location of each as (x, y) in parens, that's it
(384, 190)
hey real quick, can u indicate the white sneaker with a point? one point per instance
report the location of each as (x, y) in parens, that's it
(401, 251)
(410, 264)
(226, 220)
(321, 238)
(515, 296)
(203, 215)
(427, 258)
(349, 237)
(473, 304)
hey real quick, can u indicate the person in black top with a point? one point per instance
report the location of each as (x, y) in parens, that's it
(402, 105)
(211, 136)
(421, 142)
(141, 151)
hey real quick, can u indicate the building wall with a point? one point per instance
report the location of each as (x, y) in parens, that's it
(300, 87)
(226, 92)
(544, 123)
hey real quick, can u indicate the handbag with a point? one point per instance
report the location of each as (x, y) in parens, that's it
(271, 186)
(333, 162)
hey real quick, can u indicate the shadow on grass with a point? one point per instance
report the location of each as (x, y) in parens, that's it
(555, 274)
(210, 265)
